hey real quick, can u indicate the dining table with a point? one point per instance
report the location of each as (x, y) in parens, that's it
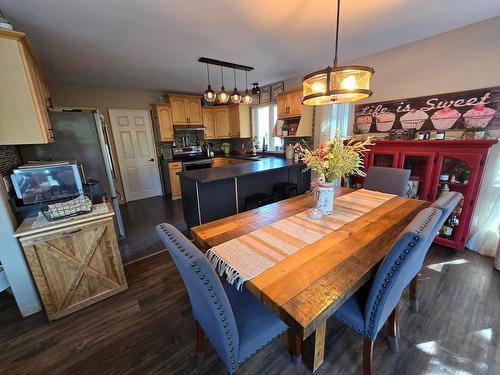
(306, 286)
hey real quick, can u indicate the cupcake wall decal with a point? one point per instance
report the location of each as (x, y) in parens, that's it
(478, 117)
(363, 123)
(413, 119)
(385, 121)
(445, 118)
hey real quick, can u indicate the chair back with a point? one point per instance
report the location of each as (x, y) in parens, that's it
(209, 302)
(396, 270)
(387, 180)
(446, 202)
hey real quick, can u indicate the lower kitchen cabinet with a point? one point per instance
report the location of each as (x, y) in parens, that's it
(75, 263)
(175, 185)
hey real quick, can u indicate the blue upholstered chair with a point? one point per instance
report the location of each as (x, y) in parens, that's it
(445, 203)
(369, 308)
(236, 323)
(387, 180)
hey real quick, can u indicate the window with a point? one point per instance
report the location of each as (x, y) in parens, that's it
(263, 120)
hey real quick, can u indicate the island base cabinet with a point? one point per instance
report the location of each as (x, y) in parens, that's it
(76, 266)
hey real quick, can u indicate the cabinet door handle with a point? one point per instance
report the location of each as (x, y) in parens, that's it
(71, 232)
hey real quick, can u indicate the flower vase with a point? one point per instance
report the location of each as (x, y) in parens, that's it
(324, 198)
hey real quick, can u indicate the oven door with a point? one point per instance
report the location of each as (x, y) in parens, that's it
(196, 164)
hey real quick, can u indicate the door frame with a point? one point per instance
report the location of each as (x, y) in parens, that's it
(152, 142)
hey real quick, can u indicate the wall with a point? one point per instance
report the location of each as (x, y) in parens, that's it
(103, 99)
(463, 59)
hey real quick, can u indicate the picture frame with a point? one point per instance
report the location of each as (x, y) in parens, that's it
(440, 135)
(276, 89)
(265, 94)
(255, 99)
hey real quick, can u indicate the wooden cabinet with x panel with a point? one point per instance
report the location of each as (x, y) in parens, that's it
(75, 263)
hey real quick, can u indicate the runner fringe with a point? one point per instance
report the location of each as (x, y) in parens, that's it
(221, 267)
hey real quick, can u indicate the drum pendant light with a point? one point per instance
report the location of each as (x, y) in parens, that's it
(235, 97)
(340, 84)
(210, 94)
(223, 96)
(247, 97)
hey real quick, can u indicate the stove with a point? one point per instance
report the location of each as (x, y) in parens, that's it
(192, 157)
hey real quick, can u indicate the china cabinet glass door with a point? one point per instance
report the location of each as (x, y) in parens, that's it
(420, 164)
(456, 172)
(383, 158)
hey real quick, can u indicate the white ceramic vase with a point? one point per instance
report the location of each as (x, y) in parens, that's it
(325, 194)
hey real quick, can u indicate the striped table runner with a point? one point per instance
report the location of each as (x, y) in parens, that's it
(245, 257)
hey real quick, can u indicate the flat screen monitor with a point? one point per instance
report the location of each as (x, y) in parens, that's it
(47, 182)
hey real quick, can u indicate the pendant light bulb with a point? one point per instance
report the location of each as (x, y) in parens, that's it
(235, 97)
(210, 94)
(247, 97)
(223, 95)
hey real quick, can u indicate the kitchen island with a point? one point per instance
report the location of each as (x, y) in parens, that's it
(214, 193)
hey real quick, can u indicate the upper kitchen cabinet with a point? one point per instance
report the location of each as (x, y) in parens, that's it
(163, 114)
(222, 127)
(239, 120)
(209, 122)
(290, 104)
(24, 98)
(186, 109)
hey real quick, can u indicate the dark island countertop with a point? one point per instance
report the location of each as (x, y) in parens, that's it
(230, 171)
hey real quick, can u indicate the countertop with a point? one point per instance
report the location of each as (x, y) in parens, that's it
(230, 171)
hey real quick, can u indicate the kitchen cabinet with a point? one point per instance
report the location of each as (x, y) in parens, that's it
(290, 104)
(175, 185)
(239, 120)
(74, 263)
(186, 109)
(436, 165)
(223, 161)
(222, 127)
(163, 114)
(208, 122)
(24, 98)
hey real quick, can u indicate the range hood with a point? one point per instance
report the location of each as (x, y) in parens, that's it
(183, 128)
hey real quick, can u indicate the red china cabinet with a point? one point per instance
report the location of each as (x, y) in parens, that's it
(437, 166)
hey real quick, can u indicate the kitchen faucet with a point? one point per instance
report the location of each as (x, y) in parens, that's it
(264, 146)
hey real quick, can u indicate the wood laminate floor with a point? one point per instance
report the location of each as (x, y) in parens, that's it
(149, 329)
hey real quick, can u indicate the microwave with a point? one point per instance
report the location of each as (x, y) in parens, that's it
(47, 182)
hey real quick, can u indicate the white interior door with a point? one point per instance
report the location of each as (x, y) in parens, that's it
(134, 142)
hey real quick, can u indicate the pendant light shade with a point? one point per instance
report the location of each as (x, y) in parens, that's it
(235, 97)
(223, 95)
(210, 94)
(340, 84)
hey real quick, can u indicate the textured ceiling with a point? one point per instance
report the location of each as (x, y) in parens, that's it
(155, 44)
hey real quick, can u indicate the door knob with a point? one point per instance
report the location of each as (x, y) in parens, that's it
(151, 159)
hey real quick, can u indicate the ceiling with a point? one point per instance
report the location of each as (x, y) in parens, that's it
(155, 44)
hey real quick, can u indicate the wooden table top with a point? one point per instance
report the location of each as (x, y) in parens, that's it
(305, 288)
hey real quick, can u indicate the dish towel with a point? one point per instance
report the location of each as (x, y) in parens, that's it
(245, 257)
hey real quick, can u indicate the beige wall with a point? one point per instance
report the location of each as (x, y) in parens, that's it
(462, 59)
(103, 99)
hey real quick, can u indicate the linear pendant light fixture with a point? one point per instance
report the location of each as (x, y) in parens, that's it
(223, 96)
(210, 94)
(340, 84)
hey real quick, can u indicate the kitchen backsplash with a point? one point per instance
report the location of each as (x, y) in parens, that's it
(9, 159)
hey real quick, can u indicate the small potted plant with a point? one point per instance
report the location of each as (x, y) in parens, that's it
(337, 159)
(475, 133)
(284, 129)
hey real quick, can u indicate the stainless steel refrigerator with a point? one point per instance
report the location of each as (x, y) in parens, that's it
(82, 135)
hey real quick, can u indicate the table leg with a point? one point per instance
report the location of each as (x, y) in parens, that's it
(318, 339)
(295, 343)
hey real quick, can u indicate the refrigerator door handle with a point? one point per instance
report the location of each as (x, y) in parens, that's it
(109, 154)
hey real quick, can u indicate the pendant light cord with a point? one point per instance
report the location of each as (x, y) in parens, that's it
(335, 59)
(246, 80)
(234, 76)
(222, 76)
(208, 73)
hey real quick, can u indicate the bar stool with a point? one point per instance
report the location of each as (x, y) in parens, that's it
(257, 200)
(284, 189)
